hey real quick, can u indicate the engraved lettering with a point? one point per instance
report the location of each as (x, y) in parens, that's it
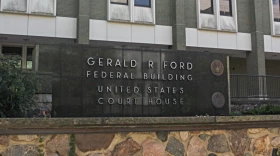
(189, 66)
(88, 73)
(150, 64)
(100, 101)
(109, 62)
(173, 65)
(118, 63)
(90, 61)
(100, 62)
(133, 63)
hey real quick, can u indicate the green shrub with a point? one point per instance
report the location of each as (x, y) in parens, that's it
(17, 88)
(266, 110)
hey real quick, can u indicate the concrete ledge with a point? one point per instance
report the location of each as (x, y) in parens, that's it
(105, 121)
(255, 118)
(133, 124)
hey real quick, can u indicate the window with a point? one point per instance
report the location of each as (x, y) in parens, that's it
(45, 7)
(276, 10)
(206, 7)
(134, 11)
(225, 8)
(26, 55)
(14, 5)
(12, 51)
(29, 57)
(142, 3)
(123, 2)
(40, 7)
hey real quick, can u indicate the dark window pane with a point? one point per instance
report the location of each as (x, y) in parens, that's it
(206, 7)
(12, 51)
(144, 3)
(225, 8)
(276, 10)
(29, 58)
(119, 2)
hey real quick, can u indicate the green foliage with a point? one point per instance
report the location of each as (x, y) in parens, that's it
(17, 88)
(266, 110)
(41, 152)
(72, 145)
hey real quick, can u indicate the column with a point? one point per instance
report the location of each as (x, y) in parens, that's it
(178, 27)
(83, 22)
(256, 58)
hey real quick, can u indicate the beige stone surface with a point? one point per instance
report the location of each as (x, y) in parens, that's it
(243, 142)
(100, 154)
(184, 135)
(252, 144)
(60, 144)
(228, 154)
(275, 142)
(50, 154)
(262, 146)
(255, 130)
(238, 141)
(4, 140)
(215, 132)
(24, 137)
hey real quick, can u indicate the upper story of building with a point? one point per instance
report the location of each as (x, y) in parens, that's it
(220, 24)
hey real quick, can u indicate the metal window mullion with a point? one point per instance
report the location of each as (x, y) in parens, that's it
(0, 50)
(23, 56)
(217, 14)
(212, 7)
(234, 13)
(131, 6)
(28, 6)
(153, 6)
(1, 5)
(54, 7)
(198, 13)
(272, 17)
(230, 8)
(108, 9)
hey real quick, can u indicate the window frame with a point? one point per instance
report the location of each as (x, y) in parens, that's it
(217, 19)
(150, 4)
(118, 3)
(212, 8)
(28, 11)
(23, 55)
(276, 19)
(230, 10)
(14, 46)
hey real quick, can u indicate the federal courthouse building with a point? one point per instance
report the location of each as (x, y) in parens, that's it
(56, 35)
(247, 30)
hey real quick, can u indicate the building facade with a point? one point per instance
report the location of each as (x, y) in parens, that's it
(247, 30)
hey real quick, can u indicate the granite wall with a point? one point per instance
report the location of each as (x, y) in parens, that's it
(242, 142)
